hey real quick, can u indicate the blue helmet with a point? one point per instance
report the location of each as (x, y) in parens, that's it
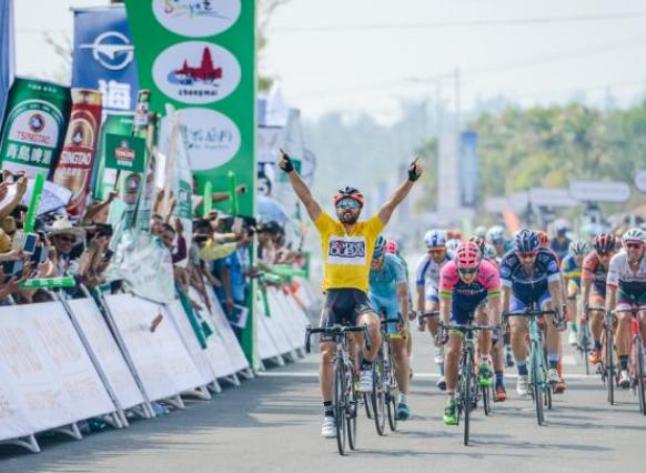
(526, 241)
(380, 248)
(435, 239)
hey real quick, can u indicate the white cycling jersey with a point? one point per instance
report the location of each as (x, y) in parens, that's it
(631, 283)
(427, 275)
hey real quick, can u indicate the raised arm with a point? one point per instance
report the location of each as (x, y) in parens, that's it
(414, 172)
(303, 193)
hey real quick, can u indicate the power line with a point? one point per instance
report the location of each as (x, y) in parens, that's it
(476, 71)
(462, 23)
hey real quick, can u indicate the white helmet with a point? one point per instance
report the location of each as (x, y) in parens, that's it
(495, 233)
(480, 232)
(435, 238)
(635, 234)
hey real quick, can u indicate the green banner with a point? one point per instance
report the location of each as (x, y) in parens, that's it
(34, 126)
(104, 181)
(200, 57)
(125, 153)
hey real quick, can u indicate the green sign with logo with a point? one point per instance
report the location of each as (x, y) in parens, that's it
(34, 126)
(104, 181)
(200, 57)
(126, 153)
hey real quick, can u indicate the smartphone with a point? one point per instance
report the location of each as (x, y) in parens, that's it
(11, 269)
(25, 242)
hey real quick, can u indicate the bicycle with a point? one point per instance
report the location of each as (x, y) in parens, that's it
(469, 390)
(584, 341)
(541, 391)
(636, 367)
(344, 394)
(384, 392)
(608, 368)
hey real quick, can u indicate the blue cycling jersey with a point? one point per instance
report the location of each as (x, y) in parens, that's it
(529, 286)
(383, 285)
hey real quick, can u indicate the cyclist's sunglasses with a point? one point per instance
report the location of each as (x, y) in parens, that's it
(348, 204)
(634, 246)
(467, 272)
(604, 254)
(437, 251)
(527, 255)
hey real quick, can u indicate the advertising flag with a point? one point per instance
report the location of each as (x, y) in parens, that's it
(7, 45)
(104, 57)
(34, 126)
(199, 57)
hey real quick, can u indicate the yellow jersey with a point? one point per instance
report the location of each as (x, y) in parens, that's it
(347, 256)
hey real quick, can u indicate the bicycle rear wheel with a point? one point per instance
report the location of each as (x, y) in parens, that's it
(367, 402)
(391, 397)
(351, 413)
(466, 396)
(610, 367)
(378, 397)
(487, 396)
(339, 402)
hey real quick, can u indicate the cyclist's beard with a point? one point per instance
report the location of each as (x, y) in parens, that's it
(348, 217)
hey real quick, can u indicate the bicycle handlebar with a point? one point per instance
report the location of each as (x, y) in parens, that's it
(529, 313)
(337, 330)
(470, 327)
(433, 313)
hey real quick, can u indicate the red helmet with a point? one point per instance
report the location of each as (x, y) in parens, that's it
(605, 243)
(392, 247)
(467, 256)
(348, 193)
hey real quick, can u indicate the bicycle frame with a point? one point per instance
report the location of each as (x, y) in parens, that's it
(537, 366)
(344, 394)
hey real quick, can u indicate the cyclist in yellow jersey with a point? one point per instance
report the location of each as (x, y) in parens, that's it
(347, 248)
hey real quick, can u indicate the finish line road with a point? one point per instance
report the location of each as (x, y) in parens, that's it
(272, 424)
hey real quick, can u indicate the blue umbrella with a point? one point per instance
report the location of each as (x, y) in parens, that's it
(269, 209)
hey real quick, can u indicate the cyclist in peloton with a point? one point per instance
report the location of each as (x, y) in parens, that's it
(571, 269)
(595, 273)
(427, 281)
(392, 247)
(626, 289)
(466, 283)
(496, 238)
(531, 273)
(388, 294)
(347, 247)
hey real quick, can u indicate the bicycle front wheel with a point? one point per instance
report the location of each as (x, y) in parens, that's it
(466, 396)
(610, 366)
(640, 377)
(537, 385)
(391, 397)
(339, 402)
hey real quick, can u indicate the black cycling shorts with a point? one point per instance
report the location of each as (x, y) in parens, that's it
(343, 307)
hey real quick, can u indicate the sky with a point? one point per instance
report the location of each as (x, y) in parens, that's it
(368, 55)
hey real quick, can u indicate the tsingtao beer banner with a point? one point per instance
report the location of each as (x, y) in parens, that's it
(34, 126)
(199, 56)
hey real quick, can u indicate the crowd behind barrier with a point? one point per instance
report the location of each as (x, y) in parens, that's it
(86, 344)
